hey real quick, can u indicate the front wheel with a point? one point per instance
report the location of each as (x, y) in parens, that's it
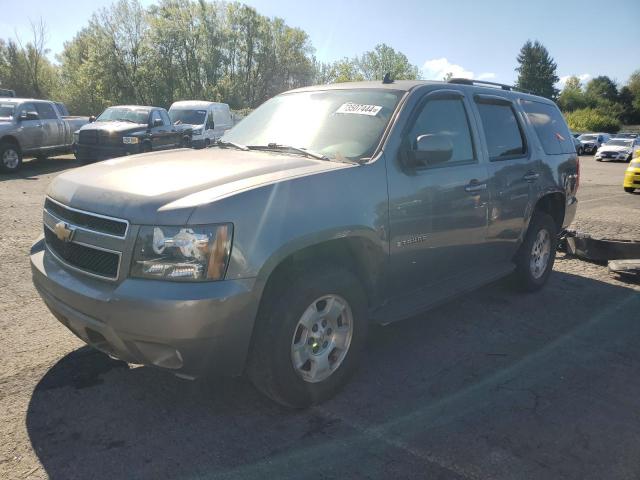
(537, 253)
(308, 340)
(10, 158)
(629, 189)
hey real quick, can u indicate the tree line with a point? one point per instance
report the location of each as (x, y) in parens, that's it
(228, 52)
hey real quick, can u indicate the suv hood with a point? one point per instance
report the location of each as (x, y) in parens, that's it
(163, 188)
(114, 127)
(615, 148)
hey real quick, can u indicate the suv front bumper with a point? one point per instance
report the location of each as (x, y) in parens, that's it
(188, 328)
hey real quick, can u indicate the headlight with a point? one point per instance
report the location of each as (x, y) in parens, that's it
(130, 140)
(197, 131)
(197, 253)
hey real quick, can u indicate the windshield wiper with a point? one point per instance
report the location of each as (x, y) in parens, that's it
(225, 143)
(303, 151)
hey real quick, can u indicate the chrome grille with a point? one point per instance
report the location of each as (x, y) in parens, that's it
(88, 242)
(84, 257)
(96, 223)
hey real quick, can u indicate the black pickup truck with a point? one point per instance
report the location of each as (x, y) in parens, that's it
(128, 129)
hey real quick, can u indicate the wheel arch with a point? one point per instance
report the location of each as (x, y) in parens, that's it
(554, 205)
(13, 140)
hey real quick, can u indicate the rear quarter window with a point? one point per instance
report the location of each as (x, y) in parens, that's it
(550, 127)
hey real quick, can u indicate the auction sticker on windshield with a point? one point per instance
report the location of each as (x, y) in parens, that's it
(359, 109)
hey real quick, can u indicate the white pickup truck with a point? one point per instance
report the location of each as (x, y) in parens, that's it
(34, 128)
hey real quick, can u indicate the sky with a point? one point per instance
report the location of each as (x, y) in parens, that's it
(471, 39)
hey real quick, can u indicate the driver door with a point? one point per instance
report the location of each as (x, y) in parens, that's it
(438, 212)
(31, 131)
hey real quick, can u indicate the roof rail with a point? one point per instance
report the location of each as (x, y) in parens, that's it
(468, 81)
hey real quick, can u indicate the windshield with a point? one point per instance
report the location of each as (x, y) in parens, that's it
(620, 143)
(7, 109)
(191, 117)
(588, 137)
(335, 123)
(120, 114)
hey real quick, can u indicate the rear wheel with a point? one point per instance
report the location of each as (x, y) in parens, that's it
(309, 337)
(629, 189)
(537, 253)
(10, 157)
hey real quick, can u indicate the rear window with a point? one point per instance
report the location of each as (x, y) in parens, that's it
(550, 127)
(502, 130)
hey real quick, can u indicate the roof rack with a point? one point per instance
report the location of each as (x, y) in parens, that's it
(468, 81)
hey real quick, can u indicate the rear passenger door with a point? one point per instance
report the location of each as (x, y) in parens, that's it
(158, 131)
(514, 172)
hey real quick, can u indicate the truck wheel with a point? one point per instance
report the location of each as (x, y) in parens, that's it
(537, 253)
(309, 337)
(629, 189)
(10, 157)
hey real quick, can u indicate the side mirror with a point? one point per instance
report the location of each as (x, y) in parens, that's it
(24, 115)
(157, 122)
(432, 149)
(92, 118)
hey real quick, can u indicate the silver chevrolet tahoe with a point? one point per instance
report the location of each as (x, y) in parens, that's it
(326, 209)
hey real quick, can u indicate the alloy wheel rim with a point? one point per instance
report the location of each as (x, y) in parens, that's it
(10, 158)
(540, 254)
(322, 338)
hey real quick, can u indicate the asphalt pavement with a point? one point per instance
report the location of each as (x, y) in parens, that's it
(494, 385)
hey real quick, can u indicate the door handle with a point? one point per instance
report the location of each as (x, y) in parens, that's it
(531, 176)
(475, 187)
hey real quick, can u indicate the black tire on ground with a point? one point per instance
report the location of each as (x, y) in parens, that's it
(270, 366)
(629, 189)
(598, 159)
(207, 142)
(527, 279)
(580, 151)
(10, 157)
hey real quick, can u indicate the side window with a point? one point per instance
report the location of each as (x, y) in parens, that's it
(210, 122)
(445, 117)
(165, 117)
(220, 116)
(550, 127)
(46, 111)
(155, 116)
(502, 130)
(27, 107)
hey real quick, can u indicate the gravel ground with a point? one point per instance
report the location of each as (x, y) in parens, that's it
(494, 385)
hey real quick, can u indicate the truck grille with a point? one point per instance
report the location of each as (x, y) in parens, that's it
(92, 222)
(88, 137)
(83, 257)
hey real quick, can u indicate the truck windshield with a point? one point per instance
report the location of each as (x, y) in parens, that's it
(120, 114)
(190, 117)
(7, 110)
(334, 123)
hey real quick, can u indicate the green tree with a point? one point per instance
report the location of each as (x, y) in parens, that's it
(590, 119)
(572, 97)
(601, 88)
(384, 59)
(537, 70)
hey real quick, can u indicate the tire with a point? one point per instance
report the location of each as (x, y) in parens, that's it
(629, 189)
(207, 142)
(580, 151)
(10, 157)
(598, 159)
(145, 147)
(531, 275)
(279, 332)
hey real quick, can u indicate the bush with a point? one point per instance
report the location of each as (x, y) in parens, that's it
(592, 120)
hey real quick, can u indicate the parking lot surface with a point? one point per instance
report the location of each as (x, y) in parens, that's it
(496, 384)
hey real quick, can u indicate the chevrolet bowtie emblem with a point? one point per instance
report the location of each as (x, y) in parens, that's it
(64, 232)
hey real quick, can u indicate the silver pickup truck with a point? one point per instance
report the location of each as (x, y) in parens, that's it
(37, 128)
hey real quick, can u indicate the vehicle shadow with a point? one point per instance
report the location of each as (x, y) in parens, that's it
(494, 385)
(34, 167)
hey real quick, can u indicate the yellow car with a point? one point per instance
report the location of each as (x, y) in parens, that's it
(632, 175)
